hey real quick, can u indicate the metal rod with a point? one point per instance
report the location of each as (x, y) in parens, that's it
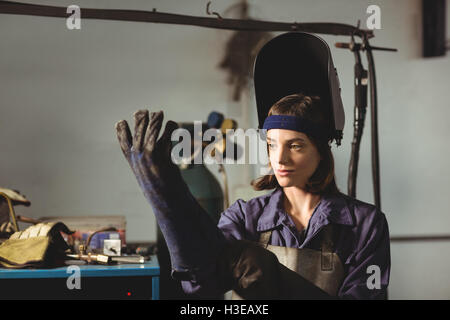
(9, 7)
(27, 220)
(384, 49)
(374, 125)
(420, 238)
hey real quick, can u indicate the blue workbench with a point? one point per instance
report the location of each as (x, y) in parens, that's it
(142, 273)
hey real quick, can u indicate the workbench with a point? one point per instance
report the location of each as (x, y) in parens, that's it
(121, 281)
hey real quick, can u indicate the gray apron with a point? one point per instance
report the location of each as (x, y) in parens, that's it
(322, 267)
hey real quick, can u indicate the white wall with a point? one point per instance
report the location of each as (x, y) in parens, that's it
(62, 91)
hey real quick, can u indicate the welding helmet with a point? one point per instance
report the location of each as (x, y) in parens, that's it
(298, 62)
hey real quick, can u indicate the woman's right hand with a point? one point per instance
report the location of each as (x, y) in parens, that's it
(192, 237)
(148, 157)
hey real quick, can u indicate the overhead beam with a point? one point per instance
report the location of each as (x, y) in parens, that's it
(9, 7)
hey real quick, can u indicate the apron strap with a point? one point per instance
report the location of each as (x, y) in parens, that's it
(327, 248)
(264, 238)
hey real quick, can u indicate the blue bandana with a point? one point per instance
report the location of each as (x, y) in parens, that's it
(296, 124)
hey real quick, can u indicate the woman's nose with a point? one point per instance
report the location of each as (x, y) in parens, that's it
(281, 155)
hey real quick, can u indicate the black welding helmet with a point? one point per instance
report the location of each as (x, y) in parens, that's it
(298, 62)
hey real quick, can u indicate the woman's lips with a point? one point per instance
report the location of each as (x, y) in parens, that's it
(284, 172)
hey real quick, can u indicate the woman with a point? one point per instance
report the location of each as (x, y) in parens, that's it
(305, 239)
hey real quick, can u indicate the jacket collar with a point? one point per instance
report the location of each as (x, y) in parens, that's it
(331, 208)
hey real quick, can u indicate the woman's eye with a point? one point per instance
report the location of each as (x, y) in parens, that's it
(271, 145)
(296, 146)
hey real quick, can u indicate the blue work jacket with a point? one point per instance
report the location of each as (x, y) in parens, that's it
(362, 237)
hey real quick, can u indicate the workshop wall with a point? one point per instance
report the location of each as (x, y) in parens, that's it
(62, 91)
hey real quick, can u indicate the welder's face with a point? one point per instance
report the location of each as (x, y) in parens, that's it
(294, 158)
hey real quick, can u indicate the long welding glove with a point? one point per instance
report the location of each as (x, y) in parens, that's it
(193, 239)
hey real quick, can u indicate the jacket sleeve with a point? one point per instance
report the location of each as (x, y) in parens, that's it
(208, 283)
(232, 222)
(369, 266)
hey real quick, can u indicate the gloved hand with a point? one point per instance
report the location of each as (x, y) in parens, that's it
(254, 272)
(192, 237)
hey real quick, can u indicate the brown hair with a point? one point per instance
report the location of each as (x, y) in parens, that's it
(308, 107)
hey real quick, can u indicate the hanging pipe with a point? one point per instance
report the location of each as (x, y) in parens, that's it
(359, 117)
(374, 124)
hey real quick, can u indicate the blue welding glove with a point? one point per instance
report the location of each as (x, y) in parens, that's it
(193, 239)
